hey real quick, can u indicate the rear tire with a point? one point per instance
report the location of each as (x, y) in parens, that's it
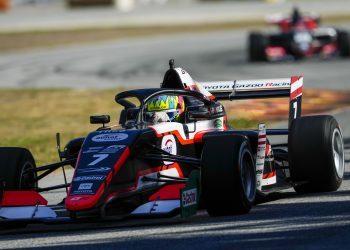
(13, 163)
(228, 175)
(316, 154)
(344, 43)
(257, 44)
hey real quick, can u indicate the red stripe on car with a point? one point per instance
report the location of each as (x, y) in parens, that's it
(84, 202)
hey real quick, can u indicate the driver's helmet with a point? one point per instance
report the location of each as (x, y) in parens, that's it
(165, 108)
(296, 16)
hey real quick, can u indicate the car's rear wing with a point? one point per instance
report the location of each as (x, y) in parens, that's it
(252, 89)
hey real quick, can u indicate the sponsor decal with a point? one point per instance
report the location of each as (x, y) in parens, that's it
(246, 85)
(110, 131)
(112, 149)
(219, 109)
(218, 123)
(90, 178)
(249, 85)
(87, 191)
(215, 110)
(262, 85)
(78, 198)
(111, 137)
(85, 186)
(92, 150)
(92, 170)
(169, 145)
(260, 157)
(259, 171)
(219, 86)
(189, 197)
(75, 198)
(258, 183)
(277, 84)
(108, 150)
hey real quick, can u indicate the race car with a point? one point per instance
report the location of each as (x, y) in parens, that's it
(173, 152)
(299, 37)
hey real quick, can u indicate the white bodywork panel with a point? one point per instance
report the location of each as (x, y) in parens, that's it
(198, 127)
(247, 85)
(269, 181)
(27, 212)
(157, 207)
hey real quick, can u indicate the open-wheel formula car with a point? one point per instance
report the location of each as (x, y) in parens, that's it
(174, 153)
(299, 36)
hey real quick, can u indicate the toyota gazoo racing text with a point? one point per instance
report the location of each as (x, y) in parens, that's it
(299, 36)
(173, 153)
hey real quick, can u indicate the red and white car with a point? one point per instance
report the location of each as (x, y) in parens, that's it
(299, 36)
(166, 168)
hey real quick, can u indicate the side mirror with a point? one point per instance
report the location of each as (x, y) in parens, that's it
(128, 116)
(122, 117)
(100, 119)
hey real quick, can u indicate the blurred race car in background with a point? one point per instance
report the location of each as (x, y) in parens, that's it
(299, 36)
(174, 152)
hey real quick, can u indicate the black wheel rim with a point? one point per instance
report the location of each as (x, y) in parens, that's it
(27, 177)
(338, 152)
(248, 175)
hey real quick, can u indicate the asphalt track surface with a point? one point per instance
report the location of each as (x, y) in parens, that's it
(143, 62)
(283, 221)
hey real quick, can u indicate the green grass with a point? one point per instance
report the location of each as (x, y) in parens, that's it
(31, 118)
(243, 123)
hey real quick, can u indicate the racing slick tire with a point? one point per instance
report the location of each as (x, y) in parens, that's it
(13, 163)
(257, 43)
(72, 149)
(316, 154)
(344, 43)
(228, 175)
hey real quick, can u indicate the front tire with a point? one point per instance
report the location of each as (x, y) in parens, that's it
(14, 163)
(228, 175)
(257, 44)
(316, 154)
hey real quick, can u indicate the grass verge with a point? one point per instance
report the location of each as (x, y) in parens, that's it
(31, 118)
